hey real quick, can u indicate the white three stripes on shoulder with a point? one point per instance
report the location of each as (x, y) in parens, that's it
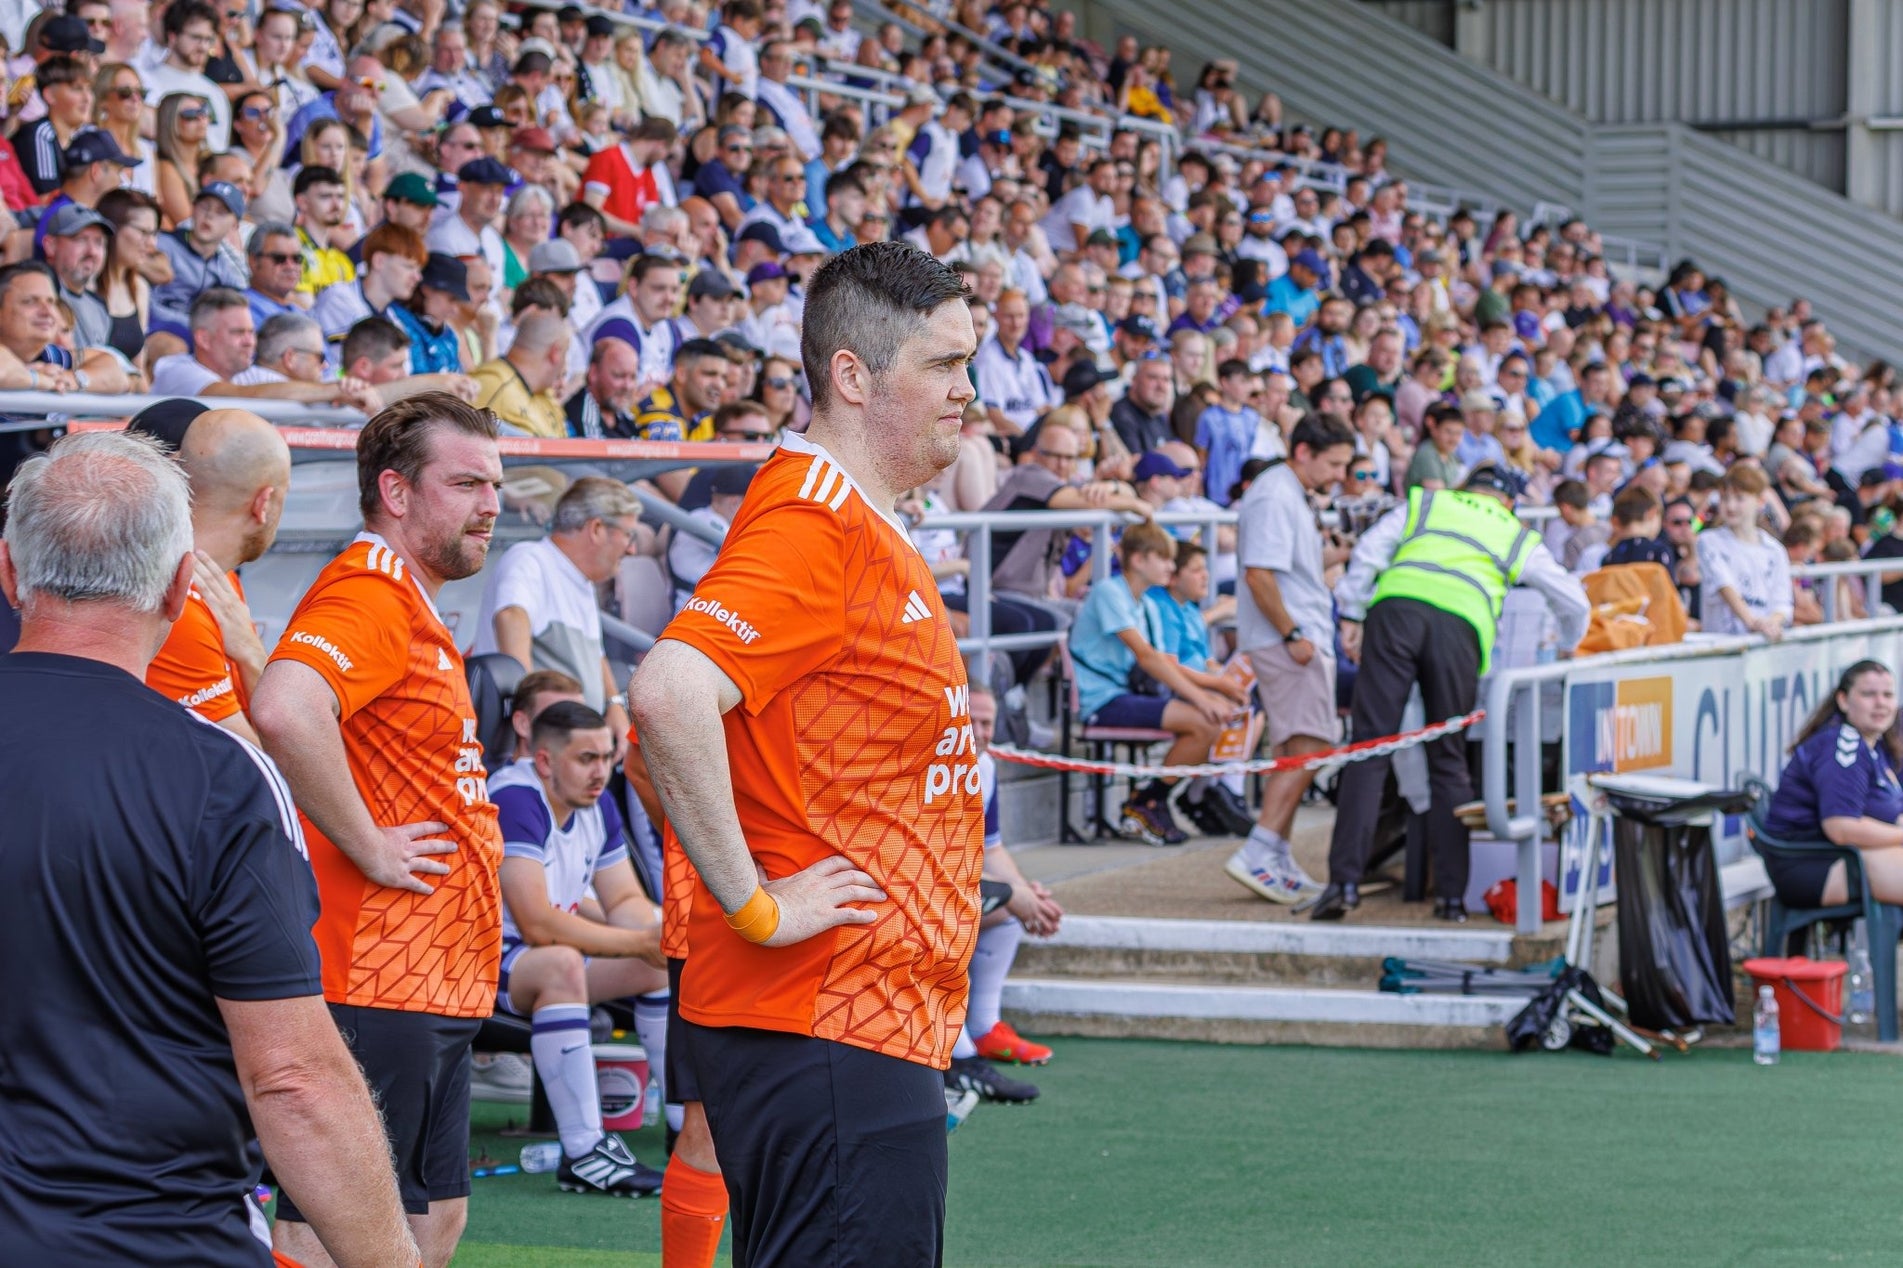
(825, 483)
(384, 560)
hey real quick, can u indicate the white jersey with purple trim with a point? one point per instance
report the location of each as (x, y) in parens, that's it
(571, 854)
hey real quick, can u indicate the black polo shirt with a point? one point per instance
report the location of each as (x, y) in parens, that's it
(150, 864)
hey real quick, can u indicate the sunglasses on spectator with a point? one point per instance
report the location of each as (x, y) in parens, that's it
(249, 112)
(280, 257)
(128, 92)
(1364, 474)
(232, 15)
(193, 114)
(748, 435)
(780, 382)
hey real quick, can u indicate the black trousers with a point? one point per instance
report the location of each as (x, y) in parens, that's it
(1406, 642)
(834, 1156)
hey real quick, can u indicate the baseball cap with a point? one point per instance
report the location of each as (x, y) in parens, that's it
(711, 282)
(732, 479)
(1101, 238)
(1199, 244)
(489, 117)
(1311, 260)
(413, 188)
(600, 24)
(557, 255)
(1157, 463)
(1504, 268)
(96, 145)
(483, 171)
(226, 193)
(1641, 379)
(1141, 325)
(448, 274)
(762, 232)
(68, 34)
(1083, 376)
(1075, 318)
(1478, 399)
(167, 421)
(538, 139)
(71, 218)
(765, 271)
(1491, 479)
(921, 95)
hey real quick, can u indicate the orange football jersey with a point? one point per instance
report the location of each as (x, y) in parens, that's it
(409, 732)
(192, 667)
(853, 736)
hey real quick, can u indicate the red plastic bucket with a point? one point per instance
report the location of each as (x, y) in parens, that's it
(1810, 999)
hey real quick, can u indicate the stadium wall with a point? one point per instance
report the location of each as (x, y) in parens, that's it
(1815, 87)
(1770, 233)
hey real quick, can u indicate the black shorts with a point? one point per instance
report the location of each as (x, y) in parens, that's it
(1800, 881)
(417, 1066)
(833, 1155)
(677, 1076)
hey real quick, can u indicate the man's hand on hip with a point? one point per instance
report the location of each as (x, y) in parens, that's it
(399, 854)
(814, 900)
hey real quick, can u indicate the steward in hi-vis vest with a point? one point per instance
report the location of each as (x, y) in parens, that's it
(1420, 603)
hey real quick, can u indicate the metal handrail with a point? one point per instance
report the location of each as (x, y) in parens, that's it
(1871, 570)
(1514, 694)
(44, 409)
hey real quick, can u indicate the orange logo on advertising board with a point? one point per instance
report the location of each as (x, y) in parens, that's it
(1636, 732)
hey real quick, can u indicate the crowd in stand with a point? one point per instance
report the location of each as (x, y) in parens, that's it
(598, 228)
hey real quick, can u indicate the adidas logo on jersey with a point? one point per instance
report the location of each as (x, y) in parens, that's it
(825, 483)
(915, 609)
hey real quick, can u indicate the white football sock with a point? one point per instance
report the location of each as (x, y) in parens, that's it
(964, 1047)
(565, 1058)
(650, 1026)
(997, 948)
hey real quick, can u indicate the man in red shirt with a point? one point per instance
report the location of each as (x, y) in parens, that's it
(806, 719)
(625, 181)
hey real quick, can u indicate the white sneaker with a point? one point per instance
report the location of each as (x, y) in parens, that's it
(503, 1076)
(1266, 882)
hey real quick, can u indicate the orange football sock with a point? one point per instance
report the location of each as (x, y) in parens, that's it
(693, 1211)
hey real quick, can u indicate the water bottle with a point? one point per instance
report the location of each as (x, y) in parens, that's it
(1863, 996)
(543, 1155)
(1764, 1032)
(653, 1108)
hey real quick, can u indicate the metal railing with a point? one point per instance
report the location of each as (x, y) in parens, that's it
(1872, 571)
(29, 411)
(1512, 731)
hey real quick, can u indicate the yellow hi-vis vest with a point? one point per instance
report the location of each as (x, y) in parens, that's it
(1459, 552)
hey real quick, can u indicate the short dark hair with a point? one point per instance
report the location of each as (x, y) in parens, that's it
(14, 272)
(398, 439)
(1233, 367)
(578, 214)
(1633, 504)
(1321, 432)
(61, 68)
(1572, 493)
(312, 175)
(373, 337)
(541, 682)
(180, 14)
(725, 415)
(870, 299)
(845, 182)
(561, 720)
(646, 264)
(696, 349)
(539, 292)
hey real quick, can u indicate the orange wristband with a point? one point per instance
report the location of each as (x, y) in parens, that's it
(758, 919)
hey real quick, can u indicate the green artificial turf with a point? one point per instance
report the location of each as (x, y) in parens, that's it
(1144, 1153)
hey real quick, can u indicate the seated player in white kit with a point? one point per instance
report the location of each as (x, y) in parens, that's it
(561, 834)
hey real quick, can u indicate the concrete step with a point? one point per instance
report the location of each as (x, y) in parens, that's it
(1256, 1014)
(1256, 953)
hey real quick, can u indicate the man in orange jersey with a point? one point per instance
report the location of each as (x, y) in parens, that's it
(806, 722)
(693, 1194)
(365, 707)
(240, 470)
